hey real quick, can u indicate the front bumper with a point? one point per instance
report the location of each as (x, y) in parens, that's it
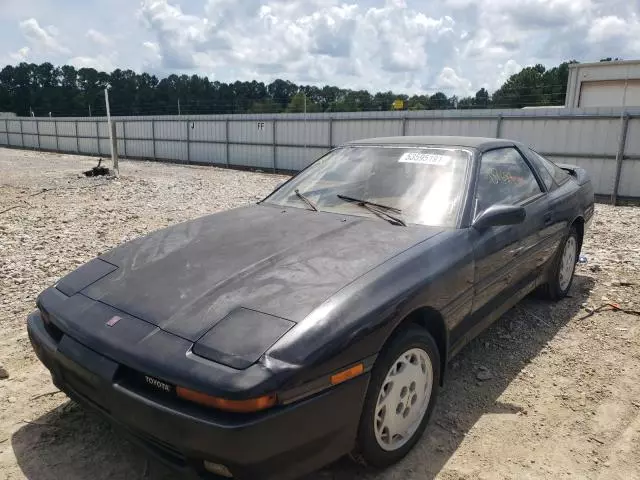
(284, 442)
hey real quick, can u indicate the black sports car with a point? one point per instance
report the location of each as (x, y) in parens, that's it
(269, 340)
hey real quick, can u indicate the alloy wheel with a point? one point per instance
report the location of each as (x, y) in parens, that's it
(403, 399)
(567, 262)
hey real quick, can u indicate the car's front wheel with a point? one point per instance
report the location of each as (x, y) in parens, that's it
(401, 396)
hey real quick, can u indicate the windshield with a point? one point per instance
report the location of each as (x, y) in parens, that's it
(425, 185)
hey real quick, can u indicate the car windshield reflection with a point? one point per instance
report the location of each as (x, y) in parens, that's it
(426, 184)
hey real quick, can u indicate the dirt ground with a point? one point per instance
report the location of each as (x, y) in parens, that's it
(560, 395)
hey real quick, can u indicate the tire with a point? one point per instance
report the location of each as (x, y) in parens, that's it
(558, 284)
(417, 352)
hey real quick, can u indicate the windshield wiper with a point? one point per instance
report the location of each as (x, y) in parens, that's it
(306, 200)
(381, 211)
(367, 202)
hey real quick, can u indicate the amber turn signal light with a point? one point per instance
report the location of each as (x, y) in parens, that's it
(240, 406)
(347, 374)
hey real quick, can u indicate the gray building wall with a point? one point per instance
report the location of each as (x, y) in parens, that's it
(604, 84)
(589, 138)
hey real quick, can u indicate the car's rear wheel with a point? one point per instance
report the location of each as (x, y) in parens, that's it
(561, 276)
(400, 399)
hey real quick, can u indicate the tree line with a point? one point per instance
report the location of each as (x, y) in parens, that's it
(43, 90)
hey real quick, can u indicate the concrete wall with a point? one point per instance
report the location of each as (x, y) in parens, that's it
(586, 137)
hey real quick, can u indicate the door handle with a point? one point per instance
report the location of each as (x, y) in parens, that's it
(547, 219)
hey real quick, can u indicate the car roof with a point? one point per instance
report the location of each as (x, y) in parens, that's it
(480, 143)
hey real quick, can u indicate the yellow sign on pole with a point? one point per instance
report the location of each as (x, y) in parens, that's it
(397, 104)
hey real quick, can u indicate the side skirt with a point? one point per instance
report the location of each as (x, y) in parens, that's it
(483, 318)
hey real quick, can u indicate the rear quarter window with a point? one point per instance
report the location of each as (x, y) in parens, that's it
(543, 170)
(552, 170)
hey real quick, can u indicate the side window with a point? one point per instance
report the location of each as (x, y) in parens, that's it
(543, 168)
(504, 178)
(559, 175)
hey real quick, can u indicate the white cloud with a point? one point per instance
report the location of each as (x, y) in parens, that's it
(99, 62)
(313, 40)
(44, 39)
(613, 36)
(20, 55)
(402, 36)
(407, 46)
(606, 28)
(53, 30)
(529, 13)
(510, 67)
(151, 55)
(545, 13)
(178, 34)
(450, 81)
(330, 31)
(98, 38)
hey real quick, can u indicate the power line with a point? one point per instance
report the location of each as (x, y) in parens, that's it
(190, 106)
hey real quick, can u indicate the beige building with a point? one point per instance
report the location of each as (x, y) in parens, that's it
(604, 84)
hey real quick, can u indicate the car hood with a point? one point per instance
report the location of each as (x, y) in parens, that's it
(280, 261)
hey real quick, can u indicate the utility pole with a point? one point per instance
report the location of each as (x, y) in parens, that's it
(179, 107)
(305, 120)
(112, 141)
(89, 110)
(622, 140)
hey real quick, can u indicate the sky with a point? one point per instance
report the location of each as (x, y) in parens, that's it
(408, 46)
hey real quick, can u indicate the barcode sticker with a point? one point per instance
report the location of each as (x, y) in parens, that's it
(424, 158)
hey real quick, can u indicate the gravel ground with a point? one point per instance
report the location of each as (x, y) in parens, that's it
(549, 391)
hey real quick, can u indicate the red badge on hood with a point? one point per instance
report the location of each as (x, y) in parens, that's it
(113, 320)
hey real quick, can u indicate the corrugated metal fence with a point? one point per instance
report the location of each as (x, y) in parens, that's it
(604, 141)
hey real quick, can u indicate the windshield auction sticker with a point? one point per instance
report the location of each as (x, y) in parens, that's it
(424, 158)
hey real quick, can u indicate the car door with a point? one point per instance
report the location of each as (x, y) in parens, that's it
(561, 201)
(506, 257)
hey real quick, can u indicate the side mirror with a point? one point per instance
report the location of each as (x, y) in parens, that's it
(499, 215)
